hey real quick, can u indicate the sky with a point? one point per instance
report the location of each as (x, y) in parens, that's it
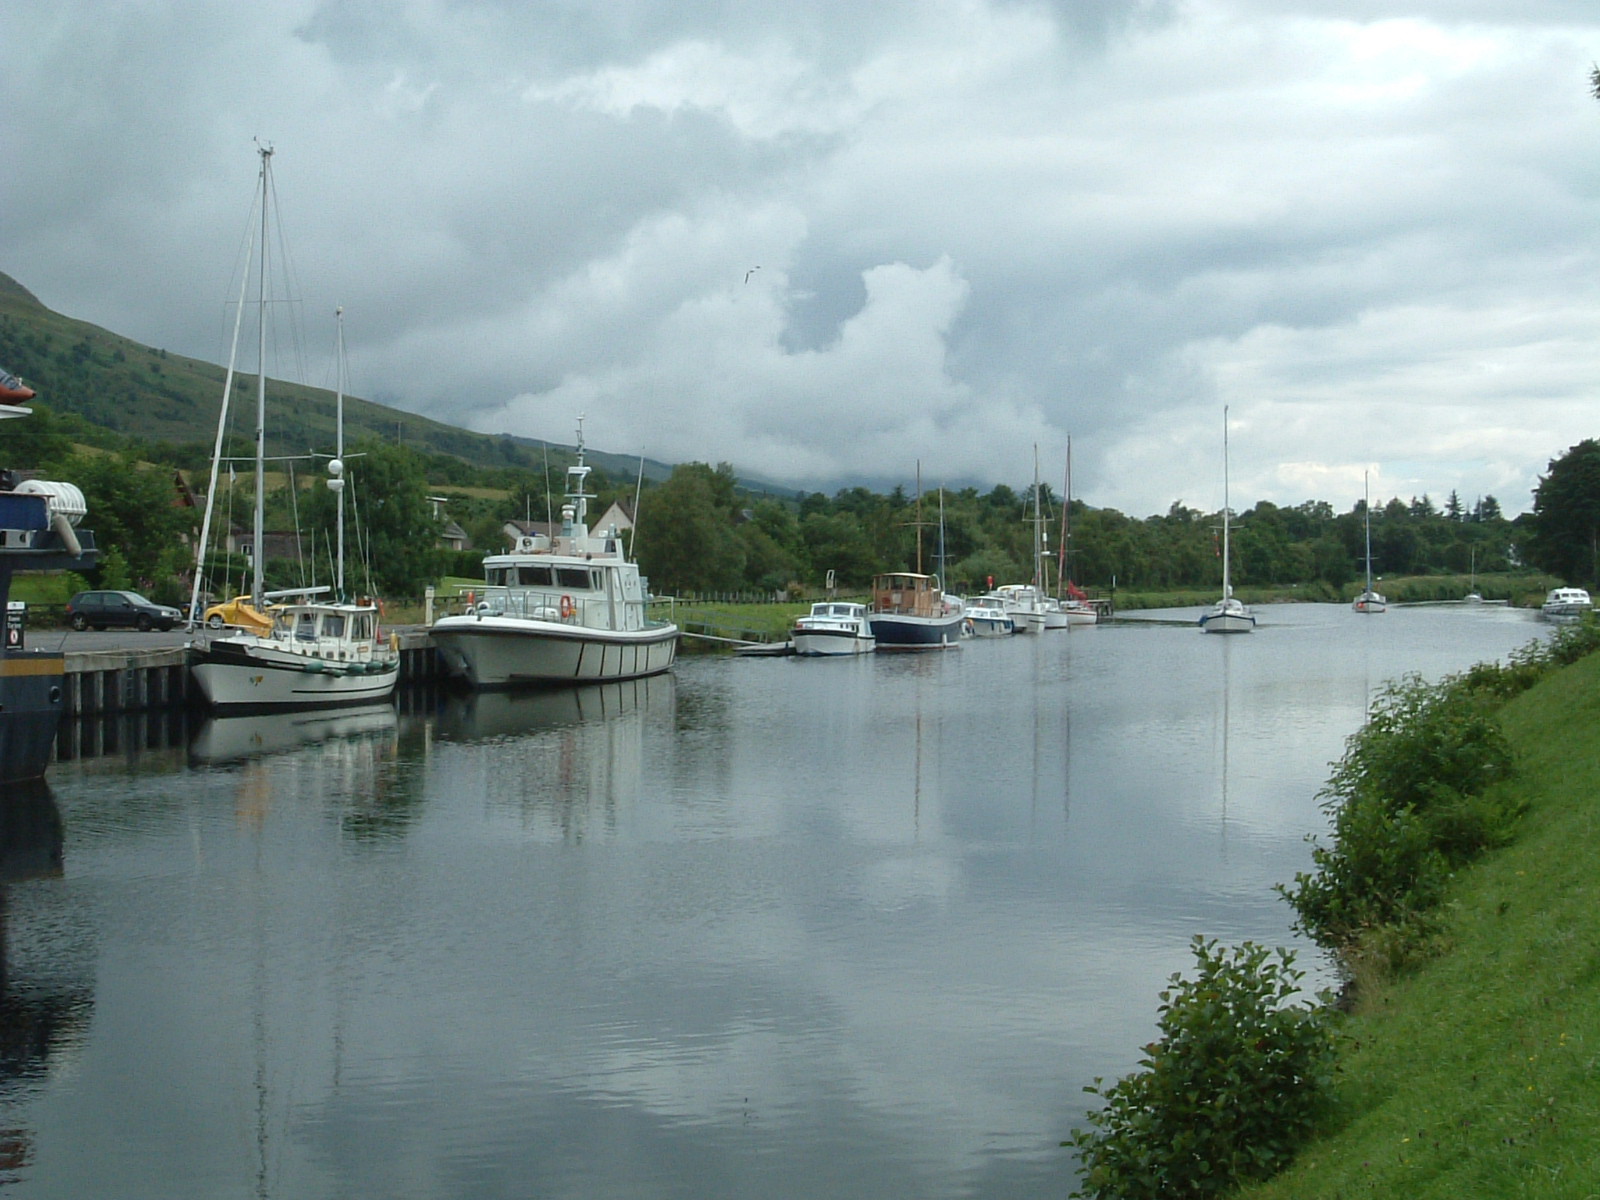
(833, 243)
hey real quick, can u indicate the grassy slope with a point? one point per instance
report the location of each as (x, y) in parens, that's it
(1479, 1076)
(114, 382)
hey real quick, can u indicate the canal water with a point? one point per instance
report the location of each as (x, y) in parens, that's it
(760, 927)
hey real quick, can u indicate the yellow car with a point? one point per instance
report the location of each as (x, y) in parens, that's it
(239, 612)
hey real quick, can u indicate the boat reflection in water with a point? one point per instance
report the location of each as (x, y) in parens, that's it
(481, 716)
(235, 739)
(568, 763)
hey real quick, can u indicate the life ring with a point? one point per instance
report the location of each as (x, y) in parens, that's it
(567, 607)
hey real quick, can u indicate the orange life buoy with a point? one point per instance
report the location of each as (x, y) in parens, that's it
(567, 607)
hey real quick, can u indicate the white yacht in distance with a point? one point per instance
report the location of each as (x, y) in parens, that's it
(1369, 601)
(567, 609)
(834, 627)
(1227, 615)
(1566, 604)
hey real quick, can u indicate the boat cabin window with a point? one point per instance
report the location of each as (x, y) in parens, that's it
(497, 576)
(305, 626)
(361, 627)
(579, 579)
(534, 576)
(333, 625)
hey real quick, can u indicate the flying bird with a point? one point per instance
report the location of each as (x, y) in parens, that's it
(750, 272)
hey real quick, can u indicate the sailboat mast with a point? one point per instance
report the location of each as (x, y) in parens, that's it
(919, 516)
(338, 441)
(257, 585)
(1066, 532)
(1366, 512)
(1226, 588)
(1038, 561)
(216, 449)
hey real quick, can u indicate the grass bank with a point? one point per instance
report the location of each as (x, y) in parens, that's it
(1478, 1074)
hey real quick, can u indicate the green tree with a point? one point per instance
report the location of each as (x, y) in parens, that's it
(1565, 520)
(689, 543)
(391, 534)
(834, 542)
(134, 508)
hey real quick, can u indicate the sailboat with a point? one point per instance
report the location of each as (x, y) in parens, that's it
(1473, 596)
(1228, 615)
(1369, 601)
(1075, 603)
(316, 652)
(1026, 603)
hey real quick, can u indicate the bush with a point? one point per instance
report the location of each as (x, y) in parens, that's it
(1409, 803)
(1233, 1086)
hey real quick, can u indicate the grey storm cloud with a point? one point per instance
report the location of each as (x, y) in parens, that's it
(984, 225)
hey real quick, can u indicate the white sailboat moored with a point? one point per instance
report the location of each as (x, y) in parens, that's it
(1369, 601)
(1228, 615)
(315, 653)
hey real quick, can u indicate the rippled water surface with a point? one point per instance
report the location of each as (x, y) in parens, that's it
(761, 927)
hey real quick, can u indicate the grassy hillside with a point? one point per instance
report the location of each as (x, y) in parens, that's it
(130, 389)
(1479, 1075)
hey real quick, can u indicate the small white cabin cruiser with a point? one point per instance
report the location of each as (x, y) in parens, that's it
(1566, 604)
(834, 627)
(987, 617)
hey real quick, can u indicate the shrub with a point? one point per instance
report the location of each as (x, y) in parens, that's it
(1409, 802)
(1235, 1083)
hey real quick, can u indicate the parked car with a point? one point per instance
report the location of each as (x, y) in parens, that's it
(130, 609)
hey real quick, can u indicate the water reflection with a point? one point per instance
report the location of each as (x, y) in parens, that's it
(756, 927)
(221, 740)
(45, 995)
(567, 762)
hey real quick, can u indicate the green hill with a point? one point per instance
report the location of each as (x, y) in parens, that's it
(117, 384)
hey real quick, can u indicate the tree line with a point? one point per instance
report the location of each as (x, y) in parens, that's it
(701, 530)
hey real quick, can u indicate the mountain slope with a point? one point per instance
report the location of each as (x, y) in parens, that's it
(118, 384)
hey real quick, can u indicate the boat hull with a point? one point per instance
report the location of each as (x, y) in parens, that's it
(984, 627)
(832, 643)
(1567, 604)
(1228, 618)
(30, 713)
(234, 677)
(904, 631)
(509, 652)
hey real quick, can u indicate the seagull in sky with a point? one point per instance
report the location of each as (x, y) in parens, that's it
(750, 272)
